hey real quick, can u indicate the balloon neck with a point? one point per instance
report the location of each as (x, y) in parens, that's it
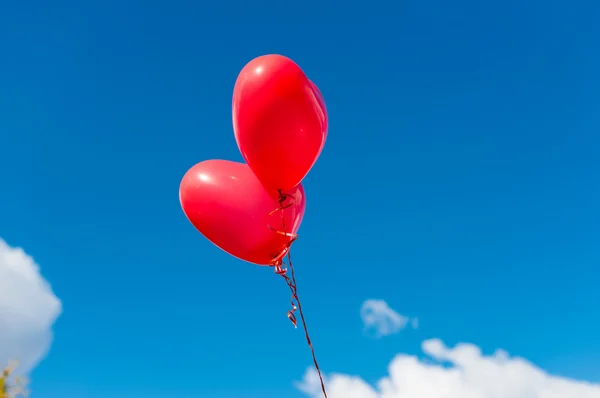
(277, 262)
(280, 269)
(285, 201)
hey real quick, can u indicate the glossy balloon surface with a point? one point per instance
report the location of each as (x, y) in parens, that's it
(227, 203)
(279, 120)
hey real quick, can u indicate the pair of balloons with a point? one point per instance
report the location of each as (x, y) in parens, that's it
(280, 125)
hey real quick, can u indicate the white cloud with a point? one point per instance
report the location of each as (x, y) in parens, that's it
(28, 309)
(381, 320)
(469, 375)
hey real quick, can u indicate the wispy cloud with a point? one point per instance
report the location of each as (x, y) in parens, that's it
(28, 309)
(380, 320)
(470, 375)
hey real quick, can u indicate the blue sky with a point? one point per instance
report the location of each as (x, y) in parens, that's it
(459, 183)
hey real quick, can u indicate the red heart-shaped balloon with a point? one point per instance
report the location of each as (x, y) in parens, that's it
(279, 120)
(227, 203)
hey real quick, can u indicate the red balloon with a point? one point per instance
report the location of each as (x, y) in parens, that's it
(279, 120)
(322, 105)
(229, 206)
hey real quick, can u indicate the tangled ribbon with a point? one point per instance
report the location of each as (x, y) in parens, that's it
(281, 269)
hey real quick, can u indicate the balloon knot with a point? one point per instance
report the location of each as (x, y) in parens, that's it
(280, 269)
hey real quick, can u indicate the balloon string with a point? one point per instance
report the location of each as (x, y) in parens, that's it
(281, 269)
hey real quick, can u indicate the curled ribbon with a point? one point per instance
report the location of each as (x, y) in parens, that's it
(281, 269)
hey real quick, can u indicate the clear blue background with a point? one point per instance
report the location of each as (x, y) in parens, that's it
(462, 162)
